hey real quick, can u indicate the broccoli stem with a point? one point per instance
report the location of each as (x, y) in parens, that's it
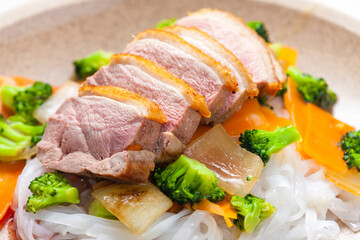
(12, 134)
(10, 148)
(282, 137)
(28, 129)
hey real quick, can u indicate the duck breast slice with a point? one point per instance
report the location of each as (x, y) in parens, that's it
(211, 47)
(243, 42)
(181, 104)
(88, 133)
(207, 76)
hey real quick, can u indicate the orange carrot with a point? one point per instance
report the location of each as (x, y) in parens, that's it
(297, 108)
(350, 181)
(23, 81)
(9, 172)
(253, 116)
(322, 136)
(287, 56)
(223, 208)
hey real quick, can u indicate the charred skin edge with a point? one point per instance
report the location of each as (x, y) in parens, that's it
(153, 111)
(251, 87)
(196, 100)
(279, 79)
(171, 38)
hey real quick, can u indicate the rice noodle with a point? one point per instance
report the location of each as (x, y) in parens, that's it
(298, 190)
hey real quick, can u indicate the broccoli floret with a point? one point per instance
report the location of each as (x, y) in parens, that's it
(188, 181)
(263, 101)
(251, 211)
(11, 141)
(98, 210)
(17, 136)
(350, 144)
(24, 100)
(51, 189)
(260, 29)
(264, 143)
(89, 65)
(35, 132)
(314, 90)
(165, 23)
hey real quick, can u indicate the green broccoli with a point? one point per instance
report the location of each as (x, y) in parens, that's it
(264, 143)
(188, 181)
(314, 90)
(51, 189)
(89, 65)
(165, 23)
(263, 101)
(17, 136)
(24, 100)
(11, 141)
(251, 211)
(260, 29)
(350, 144)
(98, 210)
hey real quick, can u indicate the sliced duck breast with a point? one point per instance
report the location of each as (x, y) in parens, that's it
(211, 47)
(243, 42)
(181, 104)
(91, 134)
(207, 76)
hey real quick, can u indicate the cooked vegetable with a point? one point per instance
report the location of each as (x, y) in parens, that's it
(276, 47)
(67, 90)
(165, 23)
(251, 211)
(264, 143)
(89, 65)
(11, 141)
(260, 29)
(350, 144)
(297, 108)
(15, 137)
(223, 208)
(98, 210)
(24, 100)
(323, 133)
(188, 181)
(135, 205)
(223, 156)
(253, 116)
(263, 101)
(51, 189)
(9, 173)
(314, 90)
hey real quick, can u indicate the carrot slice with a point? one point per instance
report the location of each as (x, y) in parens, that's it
(249, 117)
(287, 56)
(23, 81)
(223, 208)
(297, 109)
(323, 134)
(350, 181)
(9, 172)
(253, 116)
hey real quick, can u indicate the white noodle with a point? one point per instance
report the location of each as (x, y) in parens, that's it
(302, 199)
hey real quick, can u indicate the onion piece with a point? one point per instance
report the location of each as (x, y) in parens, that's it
(231, 163)
(67, 90)
(137, 206)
